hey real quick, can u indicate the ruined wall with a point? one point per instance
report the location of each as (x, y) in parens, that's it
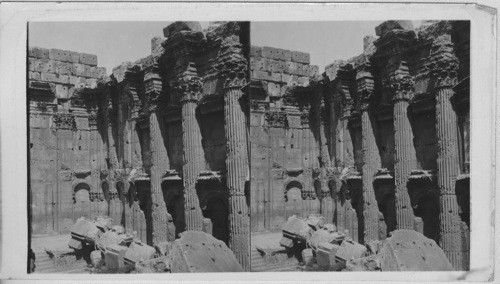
(66, 149)
(284, 138)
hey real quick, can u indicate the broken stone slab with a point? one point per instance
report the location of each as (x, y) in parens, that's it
(408, 250)
(85, 230)
(286, 242)
(297, 229)
(109, 238)
(181, 26)
(163, 248)
(114, 257)
(307, 256)
(369, 263)
(155, 265)
(200, 252)
(323, 236)
(325, 254)
(104, 223)
(350, 250)
(139, 251)
(118, 229)
(75, 244)
(329, 227)
(96, 258)
(316, 221)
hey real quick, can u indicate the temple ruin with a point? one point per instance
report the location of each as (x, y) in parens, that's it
(160, 145)
(378, 142)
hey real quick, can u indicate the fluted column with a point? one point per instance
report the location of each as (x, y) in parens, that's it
(402, 86)
(190, 88)
(159, 158)
(371, 158)
(443, 67)
(233, 72)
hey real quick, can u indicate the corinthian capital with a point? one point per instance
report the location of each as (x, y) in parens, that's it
(365, 86)
(402, 86)
(189, 85)
(153, 88)
(442, 63)
(231, 66)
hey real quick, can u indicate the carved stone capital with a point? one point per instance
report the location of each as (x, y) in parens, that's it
(365, 86)
(231, 67)
(64, 120)
(402, 86)
(442, 63)
(189, 88)
(152, 88)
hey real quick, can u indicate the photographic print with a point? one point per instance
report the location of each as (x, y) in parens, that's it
(360, 146)
(141, 166)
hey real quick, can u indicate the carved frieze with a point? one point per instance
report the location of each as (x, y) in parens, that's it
(276, 119)
(442, 63)
(64, 120)
(365, 87)
(189, 87)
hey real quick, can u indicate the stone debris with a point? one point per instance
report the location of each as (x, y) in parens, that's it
(408, 250)
(84, 231)
(350, 250)
(163, 248)
(369, 263)
(316, 221)
(138, 251)
(325, 254)
(297, 229)
(96, 258)
(114, 257)
(307, 256)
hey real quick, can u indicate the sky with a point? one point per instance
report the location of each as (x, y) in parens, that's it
(116, 42)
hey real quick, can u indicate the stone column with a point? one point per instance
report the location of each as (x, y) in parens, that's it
(371, 158)
(159, 158)
(232, 69)
(190, 88)
(402, 86)
(443, 67)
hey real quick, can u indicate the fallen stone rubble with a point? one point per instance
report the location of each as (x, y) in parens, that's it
(107, 248)
(321, 248)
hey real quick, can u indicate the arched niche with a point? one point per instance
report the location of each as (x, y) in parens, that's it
(216, 208)
(81, 199)
(174, 200)
(293, 198)
(385, 195)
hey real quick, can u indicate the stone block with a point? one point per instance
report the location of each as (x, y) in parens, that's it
(311, 70)
(78, 69)
(75, 244)
(258, 63)
(276, 66)
(34, 75)
(88, 59)
(408, 250)
(103, 223)
(303, 81)
(63, 68)
(276, 53)
(156, 46)
(118, 229)
(101, 72)
(268, 76)
(45, 65)
(286, 242)
(418, 225)
(85, 230)
(109, 238)
(369, 263)
(139, 251)
(156, 265)
(291, 68)
(61, 91)
(350, 250)
(38, 52)
(114, 257)
(163, 248)
(96, 258)
(307, 256)
(297, 228)
(31, 64)
(59, 55)
(273, 89)
(63, 79)
(255, 51)
(388, 26)
(200, 252)
(315, 221)
(325, 254)
(73, 57)
(301, 57)
(207, 226)
(87, 71)
(181, 26)
(91, 83)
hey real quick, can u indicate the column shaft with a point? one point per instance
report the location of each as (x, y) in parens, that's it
(371, 162)
(237, 171)
(159, 164)
(448, 169)
(405, 161)
(193, 164)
